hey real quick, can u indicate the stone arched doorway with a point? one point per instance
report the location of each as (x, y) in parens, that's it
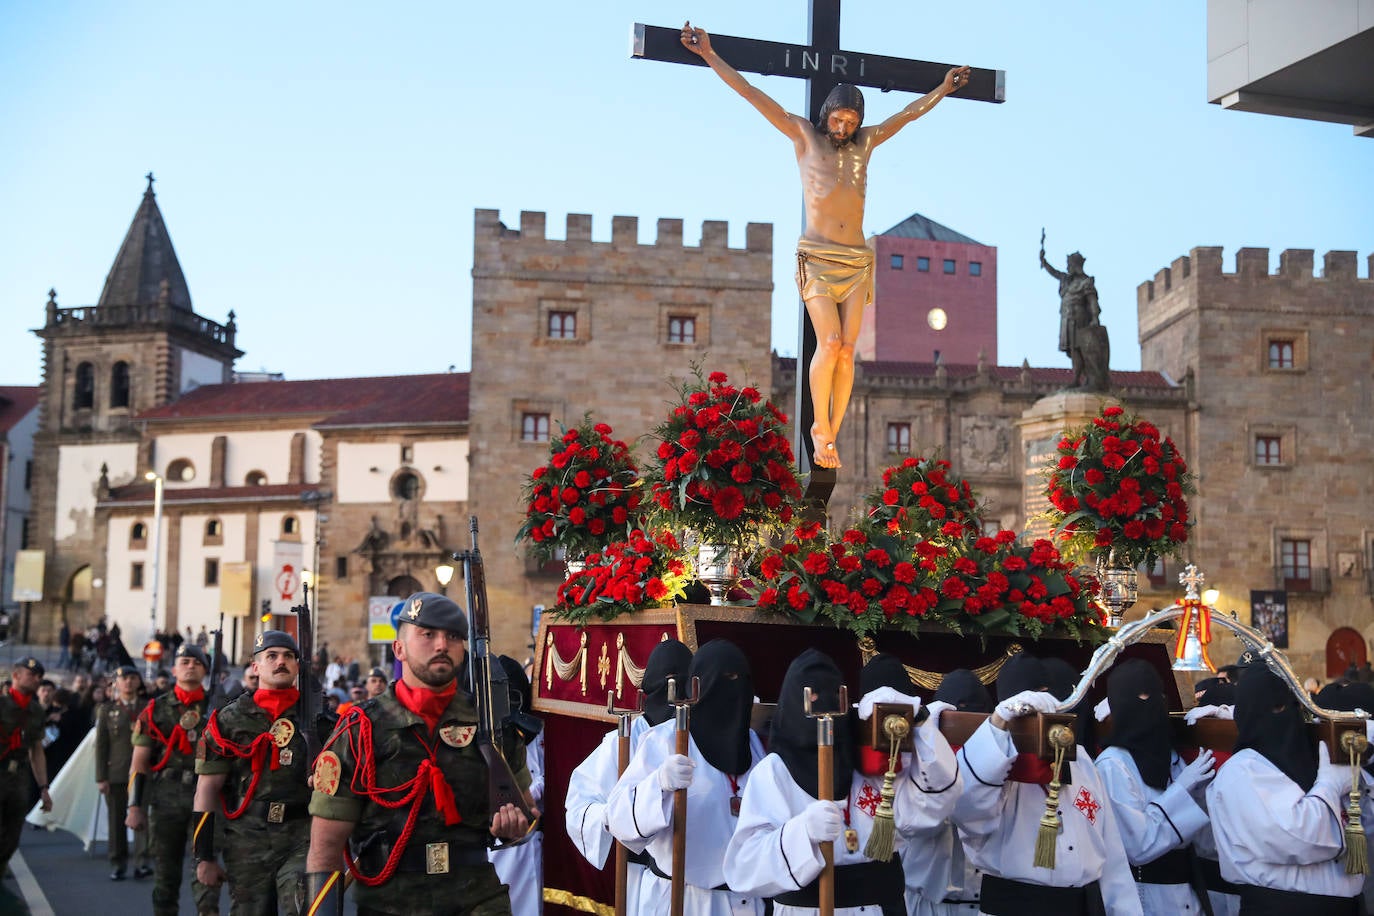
(1344, 647)
(403, 587)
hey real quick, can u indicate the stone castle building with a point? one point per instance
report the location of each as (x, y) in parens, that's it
(374, 478)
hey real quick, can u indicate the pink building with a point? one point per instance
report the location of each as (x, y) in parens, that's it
(934, 297)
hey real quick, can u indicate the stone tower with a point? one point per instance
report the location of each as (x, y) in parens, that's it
(563, 327)
(138, 347)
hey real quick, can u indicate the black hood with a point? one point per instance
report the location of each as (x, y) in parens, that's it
(794, 733)
(885, 670)
(670, 658)
(1021, 672)
(720, 719)
(1141, 727)
(962, 690)
(518, 688)
(1269, 719)
(1214, 691)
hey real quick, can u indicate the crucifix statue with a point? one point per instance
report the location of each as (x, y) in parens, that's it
(834, 263)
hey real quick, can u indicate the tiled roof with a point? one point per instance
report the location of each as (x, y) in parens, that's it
(15, 403)
(142, 492)
(385, 400)
(146, 259)
(917, 226)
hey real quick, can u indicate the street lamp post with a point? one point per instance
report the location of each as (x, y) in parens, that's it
(444, 573)
(157, 554)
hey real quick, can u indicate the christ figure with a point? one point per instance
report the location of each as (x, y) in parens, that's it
(834, 263)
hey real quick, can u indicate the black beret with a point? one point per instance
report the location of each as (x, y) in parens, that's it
(29, 663)
(378, 672)
(189, 650)
(122, 670)
(275, 639)
(426, 609)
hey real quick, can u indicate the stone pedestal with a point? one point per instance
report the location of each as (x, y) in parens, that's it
(1042, 426)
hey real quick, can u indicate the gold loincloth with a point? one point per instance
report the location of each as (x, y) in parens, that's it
(834, 270)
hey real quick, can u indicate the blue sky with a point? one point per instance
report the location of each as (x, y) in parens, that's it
(318, 164)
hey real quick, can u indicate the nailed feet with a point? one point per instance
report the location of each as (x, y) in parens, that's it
(824, 447)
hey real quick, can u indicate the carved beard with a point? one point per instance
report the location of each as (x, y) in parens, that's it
(835, 141)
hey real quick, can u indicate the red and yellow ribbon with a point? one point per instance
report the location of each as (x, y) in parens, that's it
(1195, 609)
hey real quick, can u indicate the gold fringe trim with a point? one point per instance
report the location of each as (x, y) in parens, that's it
(555, 664)
(930, 680)
(577, 902)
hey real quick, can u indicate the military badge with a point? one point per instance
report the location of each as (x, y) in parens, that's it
(327, 771)
(457, 735)
(282, 732)
(257, 643)
(415, 607)
(189, 718)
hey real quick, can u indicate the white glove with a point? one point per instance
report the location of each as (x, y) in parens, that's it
(823, 821)
(1369, 730)
(1025, 703)
(886, 695)
(1198, 773)
(935, 709)
(675, 773)
(1209, 712)
(1102, 710)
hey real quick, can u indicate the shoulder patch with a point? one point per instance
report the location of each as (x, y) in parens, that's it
(457, 735)
(327, 771)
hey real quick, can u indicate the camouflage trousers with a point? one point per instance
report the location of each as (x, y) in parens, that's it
(266, 866)
(170, 824)
(467, 891)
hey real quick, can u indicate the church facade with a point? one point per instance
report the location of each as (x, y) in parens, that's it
(371, 481)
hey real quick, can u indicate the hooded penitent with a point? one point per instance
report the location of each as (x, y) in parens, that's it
(794, 733)
(884, 670)
(1140, 719)
(1269, 720)
(720, 719)
(518, 688)
(962, 690)
(670, 659)
(1021, 672)
(1214, 691)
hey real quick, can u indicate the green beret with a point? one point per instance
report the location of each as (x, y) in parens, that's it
(275, 639)
(439, 612)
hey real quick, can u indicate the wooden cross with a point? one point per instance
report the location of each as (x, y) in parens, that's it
(823, 66)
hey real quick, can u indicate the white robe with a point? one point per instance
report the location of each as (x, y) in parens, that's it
(1152, 822)
(1000, 819)
(585, 817)
(941, 871)
(771, 853)
(522, 867)
(1269, 833)
(641, 817)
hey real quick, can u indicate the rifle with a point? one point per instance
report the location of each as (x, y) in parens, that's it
(214, 692)
(492, 707)
(312, 700)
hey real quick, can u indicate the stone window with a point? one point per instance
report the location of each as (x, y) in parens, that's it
(1283, 350)
(406, 485)
(291, 528)
(562, 325)
(181, 470)
(975, 268)
(214, 533)
(119, 385)
(534, 427)
(211, 572)
(138, 536)
(682, 329)
(949, 265)
(1295, 564)
(255, 479)
(84, 396)
(899, 438)
(923, 265)
(407, 454)
(1268, 450)
(897, 262)
(136, 577)
(1280, 354)
(341, 568)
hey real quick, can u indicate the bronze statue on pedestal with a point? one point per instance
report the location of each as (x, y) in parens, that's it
(1081, 334)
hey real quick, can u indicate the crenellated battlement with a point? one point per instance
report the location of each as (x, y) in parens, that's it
(624, 232)
(1204, 264)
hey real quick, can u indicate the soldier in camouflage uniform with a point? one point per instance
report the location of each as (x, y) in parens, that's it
(114, 754)
(164, 780)
(21, 749)
(404, 786)
(252, 768)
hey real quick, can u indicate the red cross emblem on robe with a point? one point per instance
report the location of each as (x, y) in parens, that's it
(1085, 802)
(868, 801)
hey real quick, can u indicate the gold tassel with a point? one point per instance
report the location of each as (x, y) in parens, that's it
(882, 837)
(1061, 736)
(1356, 845)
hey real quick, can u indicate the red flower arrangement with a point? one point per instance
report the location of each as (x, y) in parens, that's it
(585, 498)
(921, 497)
(1117, 485)
(642, 571)
(725, 465)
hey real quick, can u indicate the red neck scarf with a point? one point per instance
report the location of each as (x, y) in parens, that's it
(276, 702)
(426, 703)
(873, 762)
(187, 697)
(21, 699)
(1031, 768)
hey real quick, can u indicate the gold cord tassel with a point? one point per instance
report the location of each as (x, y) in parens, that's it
(883, 834)
(1356, 845)
(1061, 736)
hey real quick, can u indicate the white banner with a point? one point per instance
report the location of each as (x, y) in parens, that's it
(28, 575)
(379, 628)
(285, 581)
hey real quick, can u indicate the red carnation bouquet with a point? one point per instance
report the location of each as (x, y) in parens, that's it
(642, 571)
(586, 497)
(725, 466)
(922, 497)
(1119, 486)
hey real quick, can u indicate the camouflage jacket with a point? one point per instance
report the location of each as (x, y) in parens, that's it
(233, 744)
(20, 729)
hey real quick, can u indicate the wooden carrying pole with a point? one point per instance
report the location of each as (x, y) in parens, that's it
(682, 717)
(825, 779)
(622, 855)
